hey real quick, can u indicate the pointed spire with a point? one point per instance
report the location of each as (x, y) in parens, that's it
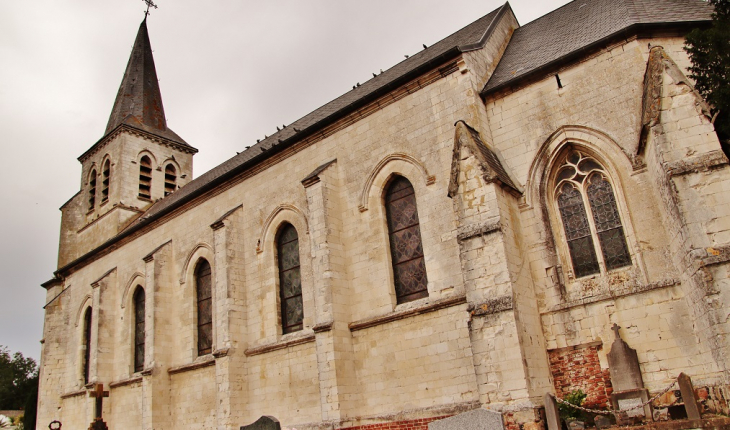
(139, 94)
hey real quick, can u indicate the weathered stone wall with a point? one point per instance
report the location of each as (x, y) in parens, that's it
(500, 285)
(599, 109)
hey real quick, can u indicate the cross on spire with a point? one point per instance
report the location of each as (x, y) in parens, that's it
(149, 4)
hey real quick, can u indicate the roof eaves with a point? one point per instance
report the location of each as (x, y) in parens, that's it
(274, 148)
(184, 146)
(574, 55)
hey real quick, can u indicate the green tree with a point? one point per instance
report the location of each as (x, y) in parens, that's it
(18, 375)
(31, 406)
(709, 51)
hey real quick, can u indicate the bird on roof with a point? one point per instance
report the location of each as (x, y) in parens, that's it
(406, 55)
(277, 128)
(424, 46)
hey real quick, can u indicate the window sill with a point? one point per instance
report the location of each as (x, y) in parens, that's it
(73, 394)
(300, 339)
(144, 199)
(125, 382)
(613, 294)
(407, 313)
(199, 363)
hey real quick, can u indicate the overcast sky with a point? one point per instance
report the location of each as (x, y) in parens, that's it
(230, 71)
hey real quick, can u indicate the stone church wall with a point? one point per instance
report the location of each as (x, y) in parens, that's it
(602, 95)
(501, 298)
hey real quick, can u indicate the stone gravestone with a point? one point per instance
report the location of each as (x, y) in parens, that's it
(628, 385)
(477, 419)
(264, 423)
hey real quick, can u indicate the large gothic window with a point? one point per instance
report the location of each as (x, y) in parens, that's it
(106, 174)
(406, 249)
(145, 177)
(170, 179)
(290, 279)
(92, 190)
(139, 335)
(589, 214)
(87, 345)
(203, 287)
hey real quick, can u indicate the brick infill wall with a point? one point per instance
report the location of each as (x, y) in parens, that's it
(578, 368)
(419, 424)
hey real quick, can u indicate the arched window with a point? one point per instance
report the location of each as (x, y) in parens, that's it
(203, 287)
(87, 345)
(406, 249)
(290, 279)
(92, 190)
(106, 174)
(139, 334)
(145, 177)
(170, 179)
(589, 214)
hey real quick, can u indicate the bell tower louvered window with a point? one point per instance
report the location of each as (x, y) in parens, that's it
(290, 279)
(170, 179)
(92, 190)
(145, 177)
(203, 287)
(87, 345)
(139, 331)
(406, 248)
(106, 175)
(589, 214)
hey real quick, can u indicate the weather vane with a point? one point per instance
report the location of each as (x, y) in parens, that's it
(149, 4)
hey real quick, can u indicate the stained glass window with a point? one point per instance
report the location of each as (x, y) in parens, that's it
(583, 180)
(87, 345)
(290, 279)
(406, 248)
(608, 224)
(203, 284)
(139, 336)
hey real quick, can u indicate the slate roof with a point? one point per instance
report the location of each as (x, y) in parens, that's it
(580, 24)
(139, 103)
(465, 39)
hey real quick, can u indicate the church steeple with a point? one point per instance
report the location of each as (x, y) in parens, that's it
(139, 102)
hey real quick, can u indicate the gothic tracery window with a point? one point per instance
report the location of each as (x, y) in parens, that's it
(290, 279)
(589, 214)
(406, 248)
(139, 333)
(203, 287)
(145, 177)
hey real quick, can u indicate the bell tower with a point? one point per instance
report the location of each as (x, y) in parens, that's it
(137, 162)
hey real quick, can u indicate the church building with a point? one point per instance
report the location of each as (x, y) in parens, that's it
(470, 229)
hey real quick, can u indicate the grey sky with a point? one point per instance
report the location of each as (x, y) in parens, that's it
(230, 71)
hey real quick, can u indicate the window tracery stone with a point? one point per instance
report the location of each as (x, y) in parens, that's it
(589, 214)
